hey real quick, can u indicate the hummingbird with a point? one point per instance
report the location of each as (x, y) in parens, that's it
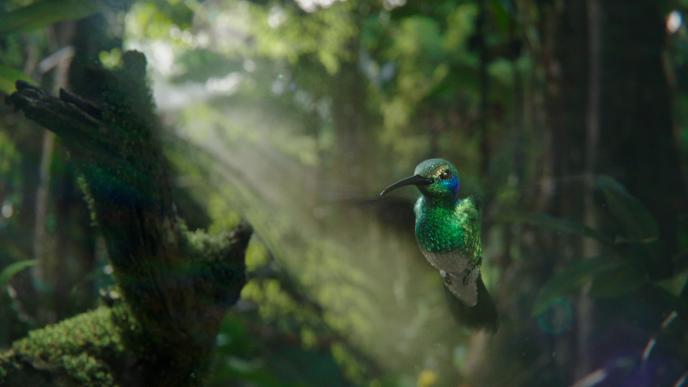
(448, 234)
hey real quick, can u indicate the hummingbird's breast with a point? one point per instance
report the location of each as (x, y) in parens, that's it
(437, 227)
(440, 237)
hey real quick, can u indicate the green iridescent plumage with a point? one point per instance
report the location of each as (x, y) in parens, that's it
(448, 234)
(451, 227)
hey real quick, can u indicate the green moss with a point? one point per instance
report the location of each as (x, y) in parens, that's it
(87, 369)
(79, 351)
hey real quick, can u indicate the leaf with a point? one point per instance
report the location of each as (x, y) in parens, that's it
(674, 284)
(501, 15)
(617, 282)
(12, 269)
(570, 278)
(634, 219)
(562, 225)
(8, 76)
(46, 12)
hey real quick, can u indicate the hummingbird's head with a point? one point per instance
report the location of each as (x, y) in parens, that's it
(435, 178)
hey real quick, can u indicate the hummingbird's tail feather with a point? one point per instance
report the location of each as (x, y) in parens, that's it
(481, 316)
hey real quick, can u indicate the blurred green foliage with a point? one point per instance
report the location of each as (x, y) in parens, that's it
(631, 244)
(41, 14)
(11, 270)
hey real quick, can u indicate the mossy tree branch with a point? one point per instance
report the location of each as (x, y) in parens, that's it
(177, 284)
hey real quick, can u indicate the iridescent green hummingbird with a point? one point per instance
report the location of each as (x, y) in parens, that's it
(448, 234)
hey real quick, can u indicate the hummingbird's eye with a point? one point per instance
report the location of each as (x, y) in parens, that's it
(446, 174)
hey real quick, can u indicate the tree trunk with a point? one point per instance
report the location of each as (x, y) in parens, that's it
(637, 145)
(176, 284)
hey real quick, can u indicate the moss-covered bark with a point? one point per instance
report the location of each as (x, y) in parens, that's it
(92, 349)
(176, 284)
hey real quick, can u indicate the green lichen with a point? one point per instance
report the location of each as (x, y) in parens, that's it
(88, 198)
(81, 351)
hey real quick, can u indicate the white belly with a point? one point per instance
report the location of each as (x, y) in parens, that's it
(452, 262)
(458, 274)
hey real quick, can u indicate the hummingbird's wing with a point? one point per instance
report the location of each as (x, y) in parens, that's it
(469, 218)
(466, 285)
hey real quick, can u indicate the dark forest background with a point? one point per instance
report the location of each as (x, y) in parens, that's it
(569, 119)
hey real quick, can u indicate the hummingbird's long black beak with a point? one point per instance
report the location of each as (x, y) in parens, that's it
(411, 180)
